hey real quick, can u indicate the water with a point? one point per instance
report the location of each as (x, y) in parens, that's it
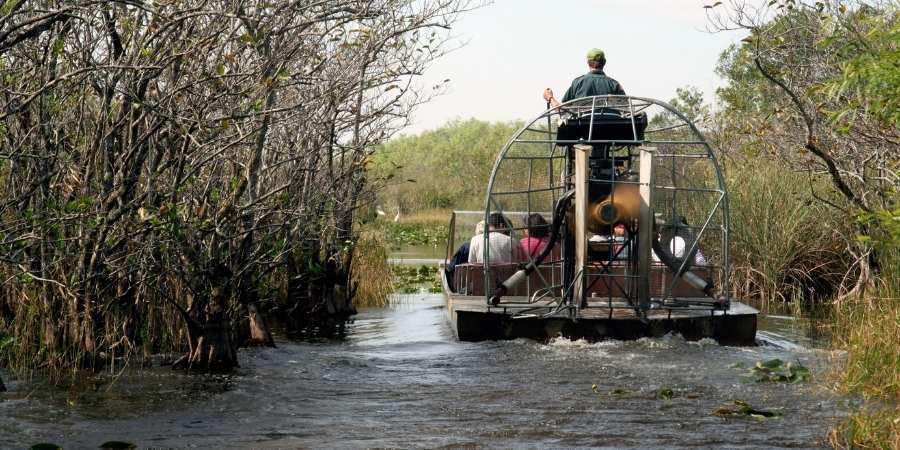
(399, 379)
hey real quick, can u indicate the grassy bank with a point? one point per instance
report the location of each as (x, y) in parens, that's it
(427, 228)
(373, 275)
(371, 272)
(869, 331)
(868, 328)
(785, 245)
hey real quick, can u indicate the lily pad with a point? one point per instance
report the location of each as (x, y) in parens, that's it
(412, 279)
(665, 393)
(617, 392)
(740, 408)
(776, 370)
(45, 446)
(117, 445)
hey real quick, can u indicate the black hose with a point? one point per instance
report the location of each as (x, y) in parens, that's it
(681, 266)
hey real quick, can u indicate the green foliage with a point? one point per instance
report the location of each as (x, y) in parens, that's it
(776, 370)
(869, 79)
(689, 102)
(443, 168)
(885, 223)
(400, 234)
(746, 90)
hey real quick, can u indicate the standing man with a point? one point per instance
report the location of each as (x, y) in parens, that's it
(592, 83)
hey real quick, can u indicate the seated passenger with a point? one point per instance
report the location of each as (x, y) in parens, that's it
(502, 249)
(462, 254)
(676, 242)
(537, 235)
(619, 247)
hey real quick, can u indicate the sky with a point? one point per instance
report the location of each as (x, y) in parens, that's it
(513, 49)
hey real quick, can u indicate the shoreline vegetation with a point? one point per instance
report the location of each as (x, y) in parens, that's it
(175, 173)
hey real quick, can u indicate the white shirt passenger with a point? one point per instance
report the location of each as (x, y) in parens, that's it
(503, 249)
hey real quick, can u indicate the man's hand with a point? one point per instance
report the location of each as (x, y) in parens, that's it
(548, 97)
(548, 94)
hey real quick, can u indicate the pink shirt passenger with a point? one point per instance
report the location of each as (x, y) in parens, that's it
(534, 246)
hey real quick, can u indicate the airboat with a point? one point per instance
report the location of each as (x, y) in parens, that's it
(631, 211)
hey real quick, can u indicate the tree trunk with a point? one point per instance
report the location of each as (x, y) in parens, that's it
(212, 350)
(2, 386)
(335, 293)
(259, 329)
(211, 344)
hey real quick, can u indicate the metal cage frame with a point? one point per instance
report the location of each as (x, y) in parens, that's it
(677, 140)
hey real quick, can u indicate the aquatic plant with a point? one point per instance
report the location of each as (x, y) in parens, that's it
(665, 393)
(868, 328)
(777, 370)
(740, 408)
(117, 445)
(785, 252)
(414, 279)
(402, 234)
(45, 446)
(868, 428)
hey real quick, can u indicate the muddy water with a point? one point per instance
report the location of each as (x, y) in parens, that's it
(400, 380)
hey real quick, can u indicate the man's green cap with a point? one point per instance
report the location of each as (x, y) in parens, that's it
(595, 54)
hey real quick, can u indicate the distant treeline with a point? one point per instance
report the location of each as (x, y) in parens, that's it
(446, 168)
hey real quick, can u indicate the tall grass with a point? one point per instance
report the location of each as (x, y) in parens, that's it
(371, 271)
(785, 244)
(868, 328)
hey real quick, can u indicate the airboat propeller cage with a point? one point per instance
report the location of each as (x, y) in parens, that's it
(647, 226)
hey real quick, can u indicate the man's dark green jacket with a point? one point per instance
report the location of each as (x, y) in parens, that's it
(593, 83)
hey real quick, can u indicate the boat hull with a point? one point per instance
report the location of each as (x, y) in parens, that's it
(473, 320)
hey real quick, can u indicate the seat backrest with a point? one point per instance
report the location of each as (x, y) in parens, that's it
(608, 125)
(468, 279)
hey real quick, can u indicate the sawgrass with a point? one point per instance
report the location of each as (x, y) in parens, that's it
(785, 244)
(868, 430)
(868, 328)
(371, 271)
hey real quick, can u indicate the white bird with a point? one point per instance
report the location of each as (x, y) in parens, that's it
(397, 217)
(379, 211)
